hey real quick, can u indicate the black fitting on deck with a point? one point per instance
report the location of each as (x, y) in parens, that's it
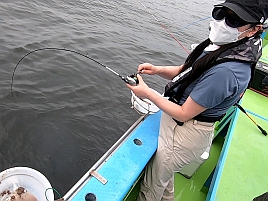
(90, 197)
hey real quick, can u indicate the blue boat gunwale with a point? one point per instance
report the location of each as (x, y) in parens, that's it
(118, 185)
(221, 161)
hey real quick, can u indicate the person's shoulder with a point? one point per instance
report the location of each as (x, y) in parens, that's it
(227, 70)
(233, 66)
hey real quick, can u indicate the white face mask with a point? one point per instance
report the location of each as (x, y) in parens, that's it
(220, 33)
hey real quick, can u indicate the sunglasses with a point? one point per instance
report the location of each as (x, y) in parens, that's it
(231, 19)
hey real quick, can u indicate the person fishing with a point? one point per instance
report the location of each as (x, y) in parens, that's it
(213, 78)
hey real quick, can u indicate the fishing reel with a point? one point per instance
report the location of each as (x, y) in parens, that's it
(131, 79)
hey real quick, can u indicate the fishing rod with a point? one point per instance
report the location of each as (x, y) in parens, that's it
(131, 79)
(164, 27)
(244, 111)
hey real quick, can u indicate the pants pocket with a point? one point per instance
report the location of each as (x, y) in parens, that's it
(190, 142)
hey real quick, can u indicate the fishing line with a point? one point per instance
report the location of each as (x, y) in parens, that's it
(164, 27)
(53, 190)
(196, 22)
(239, 106)
(131, 79)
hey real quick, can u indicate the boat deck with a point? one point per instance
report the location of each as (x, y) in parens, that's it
(241, 173)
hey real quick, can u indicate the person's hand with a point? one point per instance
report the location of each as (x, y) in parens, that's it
(141, 90)
(147, 68)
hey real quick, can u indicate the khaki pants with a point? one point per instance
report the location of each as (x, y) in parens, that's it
(177, 146)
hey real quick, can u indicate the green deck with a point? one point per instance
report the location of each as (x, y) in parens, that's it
(244, 169)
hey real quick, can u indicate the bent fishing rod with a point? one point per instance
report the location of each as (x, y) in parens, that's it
(131, 79)
(244, 111)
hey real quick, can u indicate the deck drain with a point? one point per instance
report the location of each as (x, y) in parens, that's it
(137, 142)
(90, 197)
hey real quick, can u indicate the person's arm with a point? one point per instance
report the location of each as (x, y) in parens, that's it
(181, 113)
(167, 72)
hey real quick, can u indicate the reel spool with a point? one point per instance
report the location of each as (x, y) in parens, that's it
(143, 106)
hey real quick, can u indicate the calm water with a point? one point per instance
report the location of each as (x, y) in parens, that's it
(66, 110)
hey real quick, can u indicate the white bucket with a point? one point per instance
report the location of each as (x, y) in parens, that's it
(144, 106)
(31, 180)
